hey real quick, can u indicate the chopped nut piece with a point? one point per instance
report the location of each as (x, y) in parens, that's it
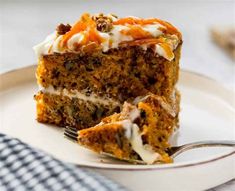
(62, 29)
(103, 23)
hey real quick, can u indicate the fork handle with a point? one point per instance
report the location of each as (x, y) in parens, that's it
(200, 144)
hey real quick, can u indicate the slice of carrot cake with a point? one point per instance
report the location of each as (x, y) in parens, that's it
(139, 132)
(88, 70)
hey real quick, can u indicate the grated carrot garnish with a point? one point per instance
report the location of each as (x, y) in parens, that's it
(136, 32)
(85, 23)
(170, 28)
(149, 41)
(133, 21)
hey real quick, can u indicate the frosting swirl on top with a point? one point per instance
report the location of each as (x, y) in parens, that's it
(107, 32)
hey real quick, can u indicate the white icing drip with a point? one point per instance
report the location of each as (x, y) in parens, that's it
(116, 36)
(56, 44)
(76, 94)
(132, 133)
(77, 38)
(127, 125)
(160, 51)
(173, 42)
(145, 151)
(44, 46)
(106, 38)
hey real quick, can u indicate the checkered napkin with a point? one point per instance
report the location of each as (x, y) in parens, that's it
(25, 168)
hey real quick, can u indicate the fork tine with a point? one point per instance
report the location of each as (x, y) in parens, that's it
(70, 137)
(71, 133)
(74, 129)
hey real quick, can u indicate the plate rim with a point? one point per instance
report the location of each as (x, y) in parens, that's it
(131, 167)
(160, 166)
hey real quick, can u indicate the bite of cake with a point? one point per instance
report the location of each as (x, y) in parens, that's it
(139, 132)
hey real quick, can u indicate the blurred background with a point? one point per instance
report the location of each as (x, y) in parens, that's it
(24, 23)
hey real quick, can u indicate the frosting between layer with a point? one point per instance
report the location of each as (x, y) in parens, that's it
(80, 95)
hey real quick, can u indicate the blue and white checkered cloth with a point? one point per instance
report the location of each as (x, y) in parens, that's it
(25, 168)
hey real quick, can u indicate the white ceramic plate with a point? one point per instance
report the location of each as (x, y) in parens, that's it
(207, 114)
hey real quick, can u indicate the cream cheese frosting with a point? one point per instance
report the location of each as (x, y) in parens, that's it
(111, 39)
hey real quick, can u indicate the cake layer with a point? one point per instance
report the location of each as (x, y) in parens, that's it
(121, 74)
(64, 109)
(138, 132)
(79, 110)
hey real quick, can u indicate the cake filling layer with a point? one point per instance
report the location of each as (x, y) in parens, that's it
(80, 95)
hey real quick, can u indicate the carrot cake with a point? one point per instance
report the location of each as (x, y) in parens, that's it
(86, 71)
(141, 131)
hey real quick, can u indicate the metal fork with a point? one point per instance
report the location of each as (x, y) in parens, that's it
(72, 134)
(176, 150)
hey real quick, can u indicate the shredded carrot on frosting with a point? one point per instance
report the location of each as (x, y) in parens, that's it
(138, 21)
(137, 32)
(85, 23)
(78, 27)
(148, 41)
(87, 26)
